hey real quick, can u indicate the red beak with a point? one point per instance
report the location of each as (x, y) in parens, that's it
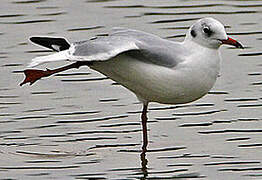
(232, 42)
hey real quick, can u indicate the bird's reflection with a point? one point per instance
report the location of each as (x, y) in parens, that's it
(144, 162)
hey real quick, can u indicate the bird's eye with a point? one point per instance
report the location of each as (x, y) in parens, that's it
(207, 31)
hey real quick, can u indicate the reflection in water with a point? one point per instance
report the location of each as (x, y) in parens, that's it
(144, 162)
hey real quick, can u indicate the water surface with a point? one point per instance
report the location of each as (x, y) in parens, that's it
(81, 125)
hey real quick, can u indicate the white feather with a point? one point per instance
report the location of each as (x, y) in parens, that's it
(59, 56)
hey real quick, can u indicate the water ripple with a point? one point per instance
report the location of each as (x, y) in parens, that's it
(181, 176)
(54, 14)
(8, 97)
(155, 150)
(55, 154)
(173, 20)
(31, 117)
(167, 118)
(121, 124)
(217, 92)
(231, 163)
(250, 54)
(85, 80)
(11, 15)
(85, 28)
(42, 127)
(199, 113)
(108, 100)
(43, 92)
(73, 74)
(246, 33)
(199, 13)
(250, 145)
(38, 110)
(86, 139)
(28, 1)
(240, 99)
(241, 169)
(47, 7)
(165, 7)
(179, 164)
(38, 167)
(112, 146)
(103, 132)
(231, 131)
(74, 113)
(196, 124)
(99, 1)
(185, 156)
(238, 139)
(29, 21)
(41, 161)
(95, 176)
(250, 105)
(181, 106)
(93, 119)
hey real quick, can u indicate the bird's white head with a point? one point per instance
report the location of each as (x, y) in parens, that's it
(210, 33)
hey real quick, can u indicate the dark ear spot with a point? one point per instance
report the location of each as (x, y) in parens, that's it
(193, 33)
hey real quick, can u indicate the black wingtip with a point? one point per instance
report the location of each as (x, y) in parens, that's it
(54, 43)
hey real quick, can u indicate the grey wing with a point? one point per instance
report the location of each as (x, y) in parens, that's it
(101, 48)
(143, 46)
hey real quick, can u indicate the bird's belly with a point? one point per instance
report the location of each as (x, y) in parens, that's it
(154, 83)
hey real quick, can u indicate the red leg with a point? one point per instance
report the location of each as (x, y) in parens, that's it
(32, 75)
(145, 140)
(144, 127)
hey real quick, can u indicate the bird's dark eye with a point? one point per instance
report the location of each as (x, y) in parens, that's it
(207, 31)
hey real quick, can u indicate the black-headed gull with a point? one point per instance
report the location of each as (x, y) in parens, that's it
(155, 69)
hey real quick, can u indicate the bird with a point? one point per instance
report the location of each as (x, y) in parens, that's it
(153, 68)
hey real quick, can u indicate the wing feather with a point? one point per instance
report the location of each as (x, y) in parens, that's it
(102, 48)
(141, 45)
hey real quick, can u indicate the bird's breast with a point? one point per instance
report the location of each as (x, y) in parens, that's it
(154, 83)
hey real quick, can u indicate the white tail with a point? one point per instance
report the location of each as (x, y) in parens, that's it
(59, 56)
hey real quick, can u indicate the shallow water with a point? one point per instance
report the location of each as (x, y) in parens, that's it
(81, 125)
